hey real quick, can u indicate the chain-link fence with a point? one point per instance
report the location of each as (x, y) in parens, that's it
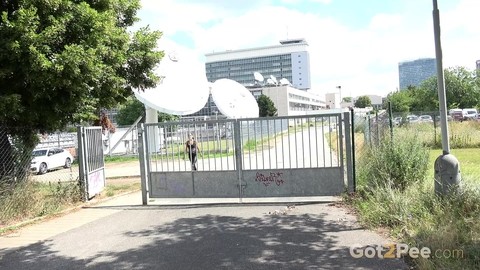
(53, 159)
(424, 126)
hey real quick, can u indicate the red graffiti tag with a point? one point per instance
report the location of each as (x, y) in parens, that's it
(269, 179)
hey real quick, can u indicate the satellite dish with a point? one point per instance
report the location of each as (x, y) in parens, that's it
(233, 99)
(273, 79)
(284, 81)
(270, 82)
(183, 90)
(258, 76)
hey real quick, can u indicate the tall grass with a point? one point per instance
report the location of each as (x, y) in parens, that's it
(393, 164)
(413, 213)
(461, 134)
(28, 199)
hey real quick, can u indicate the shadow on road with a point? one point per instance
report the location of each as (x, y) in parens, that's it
(303, 241)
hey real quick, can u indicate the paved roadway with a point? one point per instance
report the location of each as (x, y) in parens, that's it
(122, 234)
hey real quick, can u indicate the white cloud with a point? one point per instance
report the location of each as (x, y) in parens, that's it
(363, 61)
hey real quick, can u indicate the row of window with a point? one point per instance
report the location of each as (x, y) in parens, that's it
(274, 58)
(257, 66)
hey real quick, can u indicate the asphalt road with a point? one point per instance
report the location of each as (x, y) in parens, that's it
(131, 236)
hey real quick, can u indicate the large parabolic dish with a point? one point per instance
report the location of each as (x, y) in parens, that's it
(183, 90)
(233, 99)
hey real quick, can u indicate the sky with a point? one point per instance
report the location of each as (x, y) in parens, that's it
(355, 44)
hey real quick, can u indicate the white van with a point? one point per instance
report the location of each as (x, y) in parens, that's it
(469, 114)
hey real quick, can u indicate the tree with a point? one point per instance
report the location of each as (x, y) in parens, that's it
(462, 89)
(133, 108)
(400, 101)
(61, 61)
(423, 99)
(266, 106)
(347, 99)
(363, 102)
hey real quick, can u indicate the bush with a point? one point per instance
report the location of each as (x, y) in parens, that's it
(395, 165)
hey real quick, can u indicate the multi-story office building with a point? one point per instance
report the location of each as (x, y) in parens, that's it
(413, 73)
(289, 60)
(478, 64)
(290, 101)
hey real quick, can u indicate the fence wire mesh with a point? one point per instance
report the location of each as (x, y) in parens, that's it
(423, 126)
(17, 161)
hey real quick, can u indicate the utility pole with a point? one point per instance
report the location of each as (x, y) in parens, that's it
(447, 167)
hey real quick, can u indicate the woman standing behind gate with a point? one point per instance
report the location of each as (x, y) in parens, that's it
(191, 147)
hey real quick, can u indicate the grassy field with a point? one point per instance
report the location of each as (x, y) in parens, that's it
(413, 214)
(462, 134)
(469, 159)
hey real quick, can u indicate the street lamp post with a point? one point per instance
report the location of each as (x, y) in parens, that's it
(340, 94)
(447, 167)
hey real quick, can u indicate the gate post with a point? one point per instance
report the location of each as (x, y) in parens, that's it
(141, 157)
(340, 144)
(82, 174)
(238, 156)
(348, 148)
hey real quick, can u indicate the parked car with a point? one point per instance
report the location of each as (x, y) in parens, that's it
(456, 114)
(469, 114)
(50, 158)
(397, 121)
(437, 118)
(412, 119)
(425, 118)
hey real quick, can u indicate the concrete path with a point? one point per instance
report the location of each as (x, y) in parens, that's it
(122, 234)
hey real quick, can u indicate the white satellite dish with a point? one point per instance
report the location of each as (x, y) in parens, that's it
(270, 82)
(183, 90)
(273, 79)
(258, 76)
(284, 81)
(234, 100)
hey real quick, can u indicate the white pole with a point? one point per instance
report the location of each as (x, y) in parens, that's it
(447, 167)
(440, 80)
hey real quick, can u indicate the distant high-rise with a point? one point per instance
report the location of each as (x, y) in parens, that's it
(290, 60)
(478, 64)
(413, 73)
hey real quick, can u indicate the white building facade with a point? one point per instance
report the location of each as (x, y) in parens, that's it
(291, 101)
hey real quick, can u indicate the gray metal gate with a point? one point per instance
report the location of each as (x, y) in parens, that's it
(296, 156)
(91, 160)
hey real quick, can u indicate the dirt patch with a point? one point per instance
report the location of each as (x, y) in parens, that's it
(123, 180)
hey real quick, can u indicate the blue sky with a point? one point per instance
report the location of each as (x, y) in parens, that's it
(355, 44)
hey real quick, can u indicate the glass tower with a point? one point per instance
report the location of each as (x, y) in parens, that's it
(413, 73)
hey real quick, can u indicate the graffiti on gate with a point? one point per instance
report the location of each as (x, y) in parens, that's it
(273, 177)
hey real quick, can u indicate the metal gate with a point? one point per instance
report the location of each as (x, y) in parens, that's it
(296, 156)
(91, 162)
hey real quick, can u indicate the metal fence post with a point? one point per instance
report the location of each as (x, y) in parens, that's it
(238, 156)
(82, 175)
(141, 158)
(354, 179)
(377, 129)
(434, 131)
(340, 146)
(390, 117)
(348, 149)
